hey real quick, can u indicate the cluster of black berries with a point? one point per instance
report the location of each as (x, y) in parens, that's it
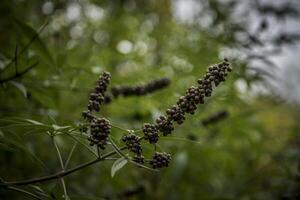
(189, 102)
(175, 114)
(100, 129)
(88, 116)
(164, 125)
(140, 90)
(151, 133)
(132, 142)
(97, 97)
(160, 159)
(195, 95)
(139, 159)
(216, 117)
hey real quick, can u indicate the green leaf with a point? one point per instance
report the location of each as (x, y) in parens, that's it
(38, 44)
(20, 86)
(57, 127)
(118, 164)
(34, 122)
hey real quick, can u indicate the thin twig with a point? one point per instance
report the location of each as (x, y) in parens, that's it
(24, 192)
(63, 168)
(19, 74)
(118, 127)
(27, 45)
(87, 147)
(70, 154)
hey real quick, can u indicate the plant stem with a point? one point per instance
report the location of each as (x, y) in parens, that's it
(62, 167)
(70, 154)
(61, 173)
(24, 192)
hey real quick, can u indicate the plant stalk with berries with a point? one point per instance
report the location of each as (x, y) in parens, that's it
(98, 129)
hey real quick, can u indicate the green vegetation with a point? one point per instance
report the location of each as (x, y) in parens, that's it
(237, 145)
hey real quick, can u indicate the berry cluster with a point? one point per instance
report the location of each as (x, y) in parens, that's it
(88, 116)
(97, 96)
(150, 133)
(160, 159)
(188, 103)
(139, 159)
(164, 125)
(100, 129)
(193, 97)
(175, 114)
(140, 90)
(132, 142)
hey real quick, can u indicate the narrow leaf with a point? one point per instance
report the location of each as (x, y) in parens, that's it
(118, 164)
(34, 122)
(20, 86)
(57, 127)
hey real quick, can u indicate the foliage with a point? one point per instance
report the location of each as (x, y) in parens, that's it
(50, 59)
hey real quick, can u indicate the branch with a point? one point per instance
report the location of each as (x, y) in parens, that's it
(61, 173)
(19, 74)
(14, 59)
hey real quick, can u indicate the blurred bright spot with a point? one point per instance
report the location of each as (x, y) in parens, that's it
(181, 64)
(94, 12)
(96, 69)
(124, 47)
(141, 48)
(168, 70)
(76, 32)
(47, 7)
(101, 37)
(185, 10)
(71, 44)
(73, 12)
(241, 85)
(127, 67)
(206, 20)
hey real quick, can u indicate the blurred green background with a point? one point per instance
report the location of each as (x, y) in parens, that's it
(253, 153)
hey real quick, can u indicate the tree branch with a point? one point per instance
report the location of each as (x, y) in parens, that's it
(61, 173)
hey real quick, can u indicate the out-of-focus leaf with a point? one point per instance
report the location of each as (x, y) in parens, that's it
(34, 122)
(118, 164)
(24, 149)
(20, 86)
(43, 98)
(57, 127)
(38, 44)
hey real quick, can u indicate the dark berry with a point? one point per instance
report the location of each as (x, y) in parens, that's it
(160, 159)
(132, 142)
(151, 133)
